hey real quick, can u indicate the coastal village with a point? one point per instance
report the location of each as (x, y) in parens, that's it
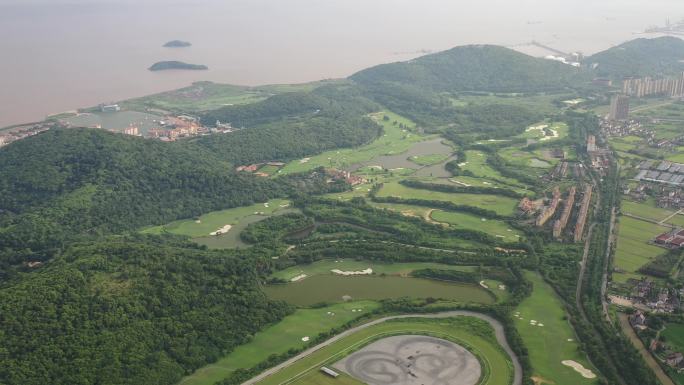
(167, 128)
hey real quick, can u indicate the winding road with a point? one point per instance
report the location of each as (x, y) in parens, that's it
(498, 332)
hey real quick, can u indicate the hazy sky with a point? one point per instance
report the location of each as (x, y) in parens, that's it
(64, 54)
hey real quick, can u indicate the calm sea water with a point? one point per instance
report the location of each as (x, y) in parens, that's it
(57, 56)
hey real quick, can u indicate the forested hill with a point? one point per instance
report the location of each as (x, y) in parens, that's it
(472, 68)
(293, 125)
(640, 57)
(129, 311)
(64, 184)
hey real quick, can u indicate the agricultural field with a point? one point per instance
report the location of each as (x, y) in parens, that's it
(540, 320)
(279, 338)
(633, 250)
(395, 140)
(337, 288)
(323, 267)
(238, 218)
(500, 204)
(674, 337)
(492, 227)
(474, 334)
(646, 209)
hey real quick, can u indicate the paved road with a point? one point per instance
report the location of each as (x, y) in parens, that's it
(498, 331)
(604, 279)
(583, 267)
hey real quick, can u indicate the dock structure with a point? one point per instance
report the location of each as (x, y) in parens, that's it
(582, 217)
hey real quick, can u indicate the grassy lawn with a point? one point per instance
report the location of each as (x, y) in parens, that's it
(677, 220)
(324, 266)
(674, 335)
(394, 140)
(645, 209)
(408, 210)
(500, 204)
(427, 160)
(543, 103)
(333, 288)
(484, 182)
(678, 156)
(215, 220)
(203, 96)
(495, 228)
(474, 334)
(476, 162)
(552, 343)
(279, 338)
(239, 218)
(633, 251)
(270, 170)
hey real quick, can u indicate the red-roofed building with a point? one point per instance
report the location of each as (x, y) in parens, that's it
(663, 238)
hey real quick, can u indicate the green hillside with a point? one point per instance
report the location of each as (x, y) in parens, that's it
(292, 125)
(128, 311)
(472, 68)
(65, 184)
(640, 57)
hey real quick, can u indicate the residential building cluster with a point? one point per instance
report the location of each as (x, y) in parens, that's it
(347, 176)
(647, 295)
(20, 132)
(647, 86)
(175, 127)
(529, 207)
(560, 171)
(627, 127)
(672, 239)
(548, 211)
(583, 213)
(258, 168)
(619, 108)
(560, 223)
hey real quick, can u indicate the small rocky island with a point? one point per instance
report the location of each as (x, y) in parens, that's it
(176, 65)
(177, 44)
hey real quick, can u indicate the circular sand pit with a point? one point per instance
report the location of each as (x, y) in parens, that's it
(411, 359)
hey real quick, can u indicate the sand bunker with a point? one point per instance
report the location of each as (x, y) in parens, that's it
(298, 278)
(305, 160)
(579, 368)
(483, 284)
(368, 271)
(222, 230)
(543, 128)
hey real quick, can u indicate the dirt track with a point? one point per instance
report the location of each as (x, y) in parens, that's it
(498, 332)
